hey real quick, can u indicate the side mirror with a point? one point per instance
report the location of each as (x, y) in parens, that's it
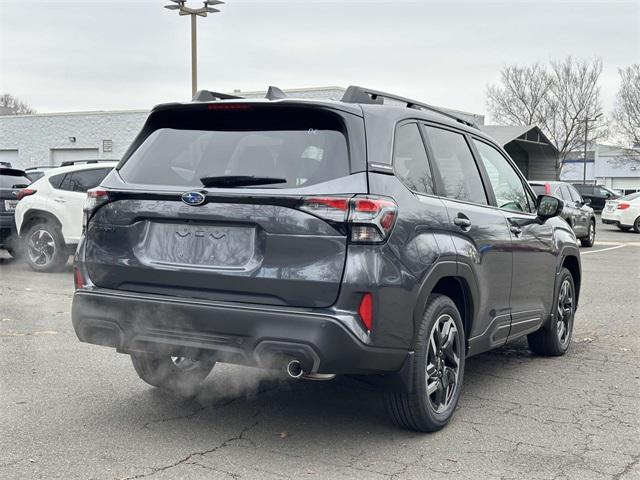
(586, 201)
(548, 206)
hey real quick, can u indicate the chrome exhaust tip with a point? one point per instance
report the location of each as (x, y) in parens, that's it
(294, 369)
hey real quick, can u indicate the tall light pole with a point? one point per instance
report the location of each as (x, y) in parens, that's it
(586, 140)
(194, 12)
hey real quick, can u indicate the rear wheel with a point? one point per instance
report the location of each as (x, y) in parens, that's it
(554, 339)
(44, 247)
(590, 239)
(636, 225)
(181, 376)
(438, 370)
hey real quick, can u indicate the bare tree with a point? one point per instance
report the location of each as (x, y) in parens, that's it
(558, 98)
(14, 106)
(626, 113)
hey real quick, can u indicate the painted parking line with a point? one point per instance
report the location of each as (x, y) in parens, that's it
(602, 250)
(631, 244)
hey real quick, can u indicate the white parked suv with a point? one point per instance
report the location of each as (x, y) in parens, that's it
(49, 213)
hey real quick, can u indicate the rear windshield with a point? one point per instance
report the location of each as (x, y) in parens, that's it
(631, 196)
(300, 147)
(538, 189)
(13, 178)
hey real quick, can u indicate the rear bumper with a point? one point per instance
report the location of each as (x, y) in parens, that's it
(235, 333)
(7, 228)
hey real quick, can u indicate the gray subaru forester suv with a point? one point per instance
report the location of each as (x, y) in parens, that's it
(372, 235)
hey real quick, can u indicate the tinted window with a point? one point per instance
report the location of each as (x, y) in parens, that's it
(13, 178)
(605, 192)
(507, 185)
(575, 196)
(457, 167)
(302, 146)
(83, 180)
(410, 159)
(56, 180)
(565, 193)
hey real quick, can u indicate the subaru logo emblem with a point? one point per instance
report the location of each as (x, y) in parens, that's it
(193, 198)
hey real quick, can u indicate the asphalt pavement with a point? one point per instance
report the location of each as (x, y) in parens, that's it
(72, 410)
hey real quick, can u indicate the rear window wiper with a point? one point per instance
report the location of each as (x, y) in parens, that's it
(239, 181)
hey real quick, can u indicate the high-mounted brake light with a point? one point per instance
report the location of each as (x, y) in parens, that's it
(623, 206)
(25, 192)
(370, 218)
(228, 106)
(365, 310)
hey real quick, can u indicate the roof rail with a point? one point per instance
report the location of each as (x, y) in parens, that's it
(355, 94)
(68, 163)
(274, 93)
(207, 96)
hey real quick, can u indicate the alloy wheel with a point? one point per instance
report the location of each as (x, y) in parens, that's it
(443, 363)
(41, 247)
(565, 313)
(592, 232)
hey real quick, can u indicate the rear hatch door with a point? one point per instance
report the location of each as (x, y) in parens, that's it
(242, 203)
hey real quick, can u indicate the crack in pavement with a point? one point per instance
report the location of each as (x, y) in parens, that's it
(186, 460)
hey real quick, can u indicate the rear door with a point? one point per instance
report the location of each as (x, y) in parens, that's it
(479, 231)
(172, 226)
(68, 199)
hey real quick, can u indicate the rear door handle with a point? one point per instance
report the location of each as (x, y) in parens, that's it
(462, 222)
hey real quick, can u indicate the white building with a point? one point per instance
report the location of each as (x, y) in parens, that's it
(614, 167)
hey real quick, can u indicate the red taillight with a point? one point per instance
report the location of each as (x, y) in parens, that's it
(623, 206)
(95, 198)
(25, 192)
(78, 279)
(547, 188)
(370, 218)
(365, 310)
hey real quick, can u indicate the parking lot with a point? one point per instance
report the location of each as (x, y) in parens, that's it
(73, 410)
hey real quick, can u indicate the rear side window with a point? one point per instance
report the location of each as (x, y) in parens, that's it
(302, 147)
(56, 180)
(456, 165)
(575, 196)
(83, 180)
(410, 159)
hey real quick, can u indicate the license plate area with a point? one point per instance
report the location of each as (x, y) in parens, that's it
(10, 205)
(198, 246)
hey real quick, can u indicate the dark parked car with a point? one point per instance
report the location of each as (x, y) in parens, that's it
(12, 181)
(596, 195)
(577, 211)
(348, 237)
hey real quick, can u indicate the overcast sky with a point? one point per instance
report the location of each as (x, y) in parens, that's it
(62, 55)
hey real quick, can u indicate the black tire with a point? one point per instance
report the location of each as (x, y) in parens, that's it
(590, 239)
(43, 247)
(179, 376)
(636, 225)
(554, 339)
(624, 229)
(417, 409)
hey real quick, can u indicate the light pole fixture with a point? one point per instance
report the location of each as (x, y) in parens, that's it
(586, 141)
(194, 12)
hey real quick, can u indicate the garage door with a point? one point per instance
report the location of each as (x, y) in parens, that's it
(59, 155)
(10, 156)
(626, 183)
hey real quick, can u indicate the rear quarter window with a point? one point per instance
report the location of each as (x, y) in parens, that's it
(13, 178)
(302, 146)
